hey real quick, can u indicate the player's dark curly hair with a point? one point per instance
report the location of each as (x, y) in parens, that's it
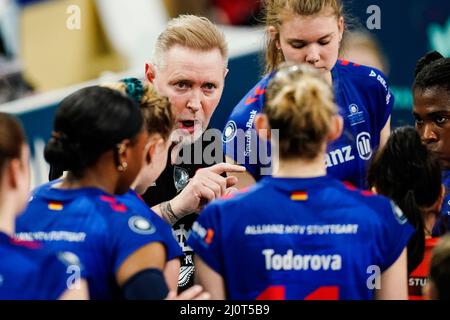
(87, 124)
(408, 173)
(432, 70)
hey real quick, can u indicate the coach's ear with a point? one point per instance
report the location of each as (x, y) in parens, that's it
(150, 72)
(262, 126)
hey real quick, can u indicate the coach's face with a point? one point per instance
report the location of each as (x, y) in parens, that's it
(193, 80)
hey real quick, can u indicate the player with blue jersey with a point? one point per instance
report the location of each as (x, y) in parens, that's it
(135, 203)
(299, 33)
(27, 270)
(301, 234)
(173, 251)
(101, 229)
(159, 121)
(445, 212)
(99, 138)
(431, 93)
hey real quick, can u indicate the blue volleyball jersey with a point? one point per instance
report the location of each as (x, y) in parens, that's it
(29, 272)
(300, 239)
(446, 205)
(365, 103)
(136, 204)
(94, 225)
(442, 225)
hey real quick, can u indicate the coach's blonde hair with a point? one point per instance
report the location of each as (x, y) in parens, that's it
(300, 104)
(193, 32)
(278, 10)
(156, 110)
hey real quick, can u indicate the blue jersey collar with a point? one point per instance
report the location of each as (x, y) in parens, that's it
(446, 178)
(49, 192)
(294, 184)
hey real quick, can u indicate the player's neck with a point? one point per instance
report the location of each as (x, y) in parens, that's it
(7, 216)
(90, 179)
(300, 168)
(328, 78)
(103, 174)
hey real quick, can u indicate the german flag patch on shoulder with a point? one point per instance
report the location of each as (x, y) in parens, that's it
(299, 196)
(55, 206)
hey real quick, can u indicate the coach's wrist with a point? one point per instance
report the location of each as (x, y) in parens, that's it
(167, 213)
(178, 207)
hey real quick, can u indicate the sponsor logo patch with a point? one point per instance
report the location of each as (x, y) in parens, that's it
(141, 225)
(206, 235)
(355, 117)
(229, 132)
(363, 145)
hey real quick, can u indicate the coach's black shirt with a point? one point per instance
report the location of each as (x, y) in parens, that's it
(171, 181)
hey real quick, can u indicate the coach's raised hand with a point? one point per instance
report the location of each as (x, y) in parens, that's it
(206, 185)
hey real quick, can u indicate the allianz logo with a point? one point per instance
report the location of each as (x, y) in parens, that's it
(198, 229)
(291, 261)
(346, 154)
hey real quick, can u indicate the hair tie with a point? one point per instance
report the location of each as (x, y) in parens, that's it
(134, 88)
(58, 135)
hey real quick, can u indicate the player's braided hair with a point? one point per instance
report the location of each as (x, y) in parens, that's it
(300, 104)
(432, 70)
(156, 110)
(88, 123)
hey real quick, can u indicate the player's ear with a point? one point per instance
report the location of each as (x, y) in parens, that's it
(337, 125)
(262, 126)
(150, 72)
(274, 35)
(341, 27)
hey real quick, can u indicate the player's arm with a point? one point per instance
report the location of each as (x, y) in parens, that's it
(211, 281)
(394, 281)
(244, 179)
(78, 292)
(385, 133)
(141, 276)
(171, 272)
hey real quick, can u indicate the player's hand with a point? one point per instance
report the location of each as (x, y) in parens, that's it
(206, 186)
(193, 293)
